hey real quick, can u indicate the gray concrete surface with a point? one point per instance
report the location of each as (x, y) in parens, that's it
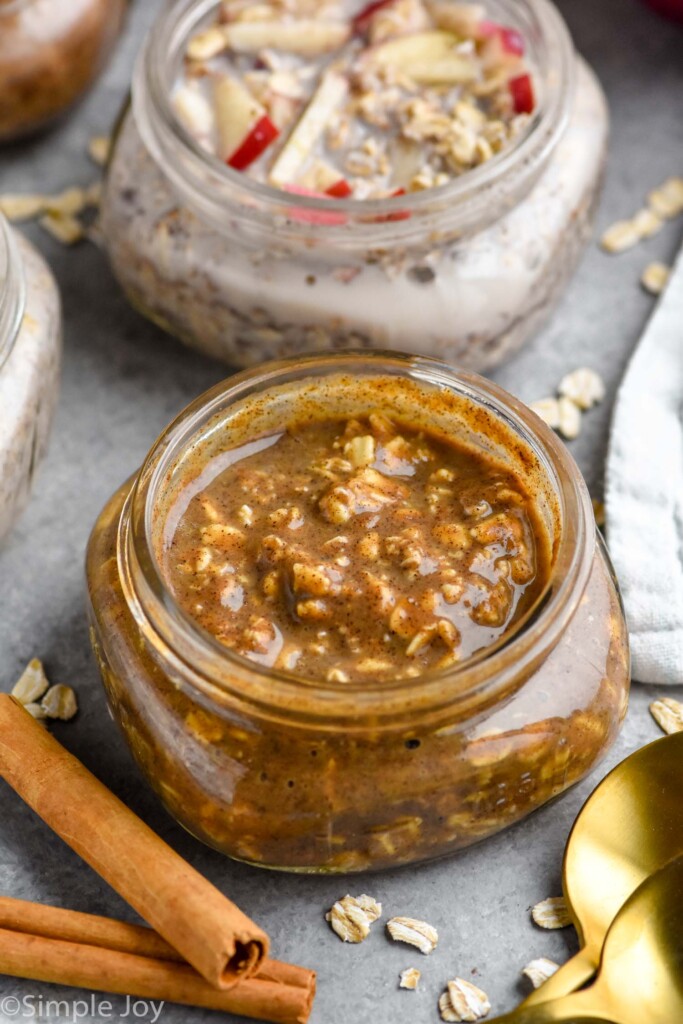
(123, 381)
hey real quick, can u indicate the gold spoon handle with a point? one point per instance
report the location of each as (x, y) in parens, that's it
(580, 1006)
(571, 976)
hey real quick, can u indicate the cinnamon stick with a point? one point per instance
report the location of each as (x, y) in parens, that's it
(108, 933)
(210, 932)
(107, 970)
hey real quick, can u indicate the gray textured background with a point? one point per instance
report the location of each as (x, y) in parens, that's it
(123, 381)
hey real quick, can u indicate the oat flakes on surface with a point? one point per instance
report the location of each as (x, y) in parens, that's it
(551, 913)
(99, 147)
(409, 978)
(65, 229)
(549, 411)
(585, 387)
(620, 236)
(351, 917)
(570, 419)
(668, 714)
(31, 684)
(655, 277)
(60, 702)
(538, 971)
(667, 200)
(416, 933)
(17, 206)
(463, 1001)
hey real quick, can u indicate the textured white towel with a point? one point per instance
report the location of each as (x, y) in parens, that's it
(644, 499)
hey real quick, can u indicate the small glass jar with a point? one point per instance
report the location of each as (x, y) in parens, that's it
(287, 773)
(30, 351)
(50, 53)
(466, 272)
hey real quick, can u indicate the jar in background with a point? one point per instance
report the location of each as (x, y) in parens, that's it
(50, 54)
(30, 351)
(466, 272)
(296, 774)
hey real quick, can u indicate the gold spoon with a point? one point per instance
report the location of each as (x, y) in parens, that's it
(640, 980)
(630, 827)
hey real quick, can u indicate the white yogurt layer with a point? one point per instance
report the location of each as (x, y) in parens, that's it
(28, 385)
(471, 302)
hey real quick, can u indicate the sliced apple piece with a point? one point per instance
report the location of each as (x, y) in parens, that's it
(362, 21)
(463, 19)
(522, 92)
(340, 190)
(194, 111)
(320, 176)
(324, 103)
(429, 58)
(243, 128)
(313, 216)
(307, 38)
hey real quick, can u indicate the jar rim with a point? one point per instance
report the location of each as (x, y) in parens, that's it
(471, 200)
(215, 667)
(12, 290)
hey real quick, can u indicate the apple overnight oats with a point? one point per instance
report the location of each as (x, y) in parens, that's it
(30, 351)
(353, 613)
(296, 176)
(50, 54)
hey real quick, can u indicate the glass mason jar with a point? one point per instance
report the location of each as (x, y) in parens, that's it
(50, 53)
(30, 351)
(287, 773)
(466, 272)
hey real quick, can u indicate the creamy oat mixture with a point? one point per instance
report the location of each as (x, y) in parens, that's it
(338, 99)
(356, 550)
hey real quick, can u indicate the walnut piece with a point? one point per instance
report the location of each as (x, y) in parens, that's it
(463, 1001)
(416, 933)
(551, 913)
(352, 916)
(538, 971)
(668, 714)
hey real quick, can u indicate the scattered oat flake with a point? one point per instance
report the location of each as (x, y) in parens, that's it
(538, 971)
(655, 277)
(667, 200)
(36, 711)
(668, 714)
(67, 230)
(32, 683)
(409, 978)
(549, 411)
(647, 223)
(570, 419)
(551, 913)
(60, 702)
(18, 207)
(620, 236)
(416, 933)
(99, 147)
(351, 917)
(584, 387)
(463, 1001)
(67, 203)
(599, 512)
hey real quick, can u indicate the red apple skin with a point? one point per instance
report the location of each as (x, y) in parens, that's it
(669, 8)
(511, 40)
(313, 216)
(361, 22)
(259, 138)
(522, 92)
(340, 190)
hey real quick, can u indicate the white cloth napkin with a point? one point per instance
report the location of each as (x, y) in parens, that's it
(644, 492)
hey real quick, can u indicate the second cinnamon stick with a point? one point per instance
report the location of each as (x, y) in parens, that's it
(210, 932)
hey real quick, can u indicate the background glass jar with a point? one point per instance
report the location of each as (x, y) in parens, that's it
(466, 272)
(50, 53)
(287, 773)
(30, 350)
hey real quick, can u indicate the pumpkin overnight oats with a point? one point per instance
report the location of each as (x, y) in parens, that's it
(353, 613)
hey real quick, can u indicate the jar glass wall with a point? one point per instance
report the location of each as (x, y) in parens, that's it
(30, 352)
(466, 272)
(50, 54)
(299, 775)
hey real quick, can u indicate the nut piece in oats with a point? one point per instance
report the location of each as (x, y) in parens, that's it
(409, 978)
(584, 387)
(60, 702)
(463, 1001)
(538, 971)
(352, 916)
(416, 933)
(31, 684)
(551, 913)
(668, 714)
